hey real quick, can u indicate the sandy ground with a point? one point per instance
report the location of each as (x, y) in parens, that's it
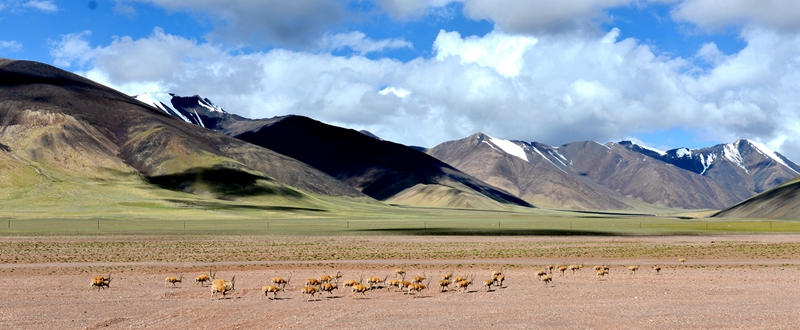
(701, 294)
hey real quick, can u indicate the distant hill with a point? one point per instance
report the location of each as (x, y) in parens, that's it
(782, 202)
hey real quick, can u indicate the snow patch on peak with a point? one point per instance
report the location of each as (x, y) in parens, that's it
(732, 153)
(764, 150)
(160, 101)
(707, 161)
(547, 159)
(206, 103)
(683, 152)
(509, 147)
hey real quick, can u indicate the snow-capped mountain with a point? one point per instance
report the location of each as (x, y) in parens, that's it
(181, 107)
(714, 177)
(744, 163)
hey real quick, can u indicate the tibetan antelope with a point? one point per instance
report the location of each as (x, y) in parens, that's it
(350, 283)
(328, 287)
(374, 280)
(267, 289)
(633, 269)
(172, 280)
(444, 284)
(280, 281)
(400, 272)
(541, 272)
(359, 289)
(488, 284)
(447, 276)
(417, 287)
(682, 260)
(222, 286)
(308, 290)
(464, 284)
(550, 268)
(391, 283)
(574, 268)
(418, 279)
(313, 282)
(546, 279)
(562, 269)
(601, 273)
(203, 278)
(498, 280)
(402, 285)
(100, 282)
(657, 269)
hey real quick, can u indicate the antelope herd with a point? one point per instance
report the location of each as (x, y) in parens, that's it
(358, 288)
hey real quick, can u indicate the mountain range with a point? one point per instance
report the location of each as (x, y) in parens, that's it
(63, 135)
(583, 175)
(384, 170)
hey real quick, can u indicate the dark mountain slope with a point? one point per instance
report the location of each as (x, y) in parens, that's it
(380, 169)
(53, 119)
(782, 202)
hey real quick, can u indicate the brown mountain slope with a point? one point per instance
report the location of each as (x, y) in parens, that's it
(55, 120)
(583, 175)
(782, 202)
(535, 180)
(642, 178)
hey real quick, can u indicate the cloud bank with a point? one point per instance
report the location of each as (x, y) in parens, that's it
(552, 87)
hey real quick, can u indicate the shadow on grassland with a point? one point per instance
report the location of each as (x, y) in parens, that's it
(222, 206)
(487, 232)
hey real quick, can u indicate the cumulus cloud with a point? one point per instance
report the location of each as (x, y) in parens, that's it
(360, 43)
(292, 23)
(43, 5)
(714, 14)
(10, 46)
(72, 49)
(552, 88)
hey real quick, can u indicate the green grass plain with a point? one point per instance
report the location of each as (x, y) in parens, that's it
(204, 217)
(61, 204)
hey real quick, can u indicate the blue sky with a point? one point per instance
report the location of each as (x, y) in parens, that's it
(665, 73)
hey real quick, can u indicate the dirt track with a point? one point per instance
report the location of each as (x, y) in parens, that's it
(720, 293)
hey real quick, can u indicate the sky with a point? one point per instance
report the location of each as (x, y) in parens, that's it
(663, 73)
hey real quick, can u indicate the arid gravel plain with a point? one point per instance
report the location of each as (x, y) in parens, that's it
(744, 282)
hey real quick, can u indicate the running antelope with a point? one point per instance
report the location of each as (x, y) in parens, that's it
(267, 289)
(100, 282)
(222, 286)
(203, 278)
(172, 280)
(308, 290)
(359, 289)
(280, 281)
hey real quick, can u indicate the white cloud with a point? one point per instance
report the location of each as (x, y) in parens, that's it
(292, 23)
(496, 50)
(72, 49)
(43, 5)
(552, 88)
(358, 42)
(715, 14)
(10, 46)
